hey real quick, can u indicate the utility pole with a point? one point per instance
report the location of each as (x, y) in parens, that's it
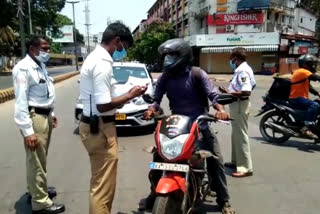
(87, 24)
(74, 33)
(20, 14)
(95, 40)
(30, 20)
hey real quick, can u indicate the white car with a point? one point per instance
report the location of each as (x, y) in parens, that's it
(125, 76)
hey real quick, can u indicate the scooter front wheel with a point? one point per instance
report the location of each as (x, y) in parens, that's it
(167, 204)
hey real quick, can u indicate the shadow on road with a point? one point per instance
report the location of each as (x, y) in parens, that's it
(206, 208)
(132, 132)
(22, 206)
(133, 212)
(309, 146)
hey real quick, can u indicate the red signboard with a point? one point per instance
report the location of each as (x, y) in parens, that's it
(303, 50)
(235, 19)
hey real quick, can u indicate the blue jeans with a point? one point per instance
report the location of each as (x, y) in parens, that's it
(310, 106)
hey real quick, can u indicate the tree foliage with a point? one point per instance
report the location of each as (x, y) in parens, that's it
(45, 17)
(145, 47)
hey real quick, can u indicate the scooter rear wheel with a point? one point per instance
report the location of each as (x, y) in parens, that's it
(269, 134)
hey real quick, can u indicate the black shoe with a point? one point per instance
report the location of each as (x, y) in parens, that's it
(53, 209)
(230, 165)
(52, 193)
(146, 204)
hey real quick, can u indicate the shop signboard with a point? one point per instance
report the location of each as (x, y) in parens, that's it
(290, 60)
(253, 4)
(303, 50)
(235, 19)
(67, 36)
(272, 38)
(313, 50)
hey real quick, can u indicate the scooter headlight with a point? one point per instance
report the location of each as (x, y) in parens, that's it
(172, 148)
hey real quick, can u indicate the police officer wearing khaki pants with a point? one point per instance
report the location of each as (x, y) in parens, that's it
(241, 86)
(97, 126)
(35, 99)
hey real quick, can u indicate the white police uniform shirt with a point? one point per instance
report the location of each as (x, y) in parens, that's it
(243, 79)
(30, 92)
(96, 80)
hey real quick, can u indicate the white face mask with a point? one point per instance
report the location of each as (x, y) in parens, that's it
(43, 57)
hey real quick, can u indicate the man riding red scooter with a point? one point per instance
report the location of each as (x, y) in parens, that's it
(188, 90)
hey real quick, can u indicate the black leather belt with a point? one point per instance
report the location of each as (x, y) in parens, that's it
(43, 111)
(243, 98)
(105, 119)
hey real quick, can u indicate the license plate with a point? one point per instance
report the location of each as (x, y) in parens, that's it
(169, 167)
(121, 116)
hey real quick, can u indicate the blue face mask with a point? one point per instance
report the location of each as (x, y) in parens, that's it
(119, 55)
(43, 57)
(232, 65)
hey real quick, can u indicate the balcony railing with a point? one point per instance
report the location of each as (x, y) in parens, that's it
(282, 4)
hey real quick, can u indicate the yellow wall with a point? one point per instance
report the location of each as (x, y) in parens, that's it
(219, 62)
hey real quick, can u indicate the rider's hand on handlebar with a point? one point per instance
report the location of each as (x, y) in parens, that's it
(222, 115)
(223, 89)
(149, 114)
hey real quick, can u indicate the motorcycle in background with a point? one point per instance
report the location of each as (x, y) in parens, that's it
(282, 121)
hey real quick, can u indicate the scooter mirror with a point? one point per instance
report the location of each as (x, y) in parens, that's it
(147, 98)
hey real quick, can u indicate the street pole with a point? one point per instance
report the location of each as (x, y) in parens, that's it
(74, 33)
(30, 20)
(20, 14)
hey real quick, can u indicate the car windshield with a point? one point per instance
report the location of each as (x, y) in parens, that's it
(122, 73)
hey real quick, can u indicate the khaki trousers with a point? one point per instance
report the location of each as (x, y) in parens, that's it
(36, 162)
(103, 153)
(241, 155)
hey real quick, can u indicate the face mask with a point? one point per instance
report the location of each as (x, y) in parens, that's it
(43, 57)
(119, 55)
(232, 65)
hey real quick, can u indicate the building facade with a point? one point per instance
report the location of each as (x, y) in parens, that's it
(268, 29)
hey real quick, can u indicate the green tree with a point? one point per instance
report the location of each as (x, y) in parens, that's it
(56, 47)
(7, 21)
(45, 15)
(145, 47)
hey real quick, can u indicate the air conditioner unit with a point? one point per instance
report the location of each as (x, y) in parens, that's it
(229, 28)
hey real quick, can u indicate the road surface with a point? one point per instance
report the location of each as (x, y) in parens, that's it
(286, 177)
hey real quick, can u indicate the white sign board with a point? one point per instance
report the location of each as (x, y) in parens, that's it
(235, 39)
(67, 32)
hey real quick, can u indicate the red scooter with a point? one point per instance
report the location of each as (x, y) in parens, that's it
(184, 180)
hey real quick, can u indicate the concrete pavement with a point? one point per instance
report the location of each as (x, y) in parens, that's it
(286, 177)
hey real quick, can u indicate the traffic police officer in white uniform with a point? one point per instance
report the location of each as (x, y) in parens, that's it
(35, 99)
(97, 126)
(241, 86)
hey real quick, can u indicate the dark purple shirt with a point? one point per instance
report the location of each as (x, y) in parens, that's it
(183, 95)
